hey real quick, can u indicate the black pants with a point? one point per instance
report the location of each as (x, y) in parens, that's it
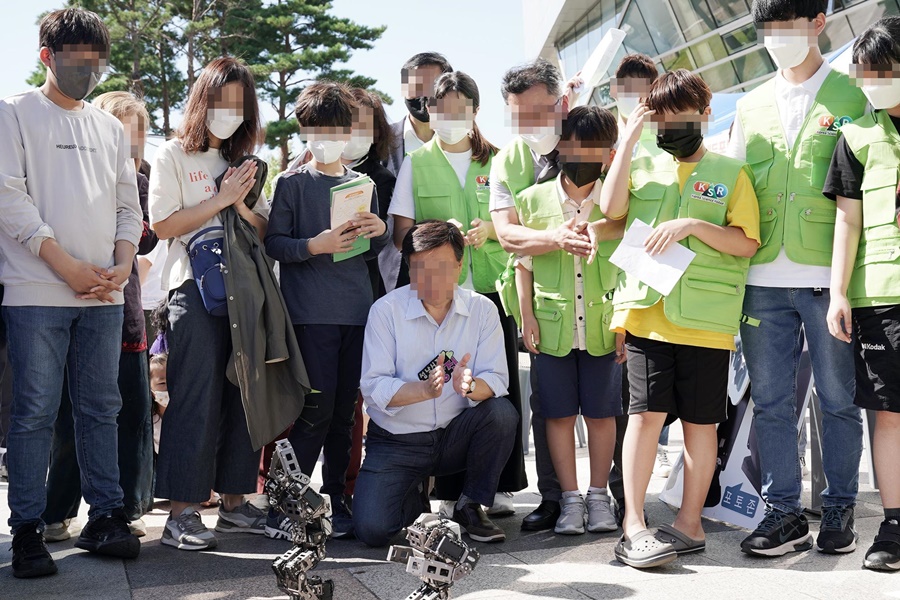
(616, 486)
(512, 478)
(333, 357)
(135, 447)
(5, 385)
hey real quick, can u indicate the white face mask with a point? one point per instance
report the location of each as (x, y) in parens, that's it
(450, 131)
(162, 398)
(357, 147)
(882, 95)
(627, 104)
(787, 51)
(542, 141)
(222, 123)
(326, 151)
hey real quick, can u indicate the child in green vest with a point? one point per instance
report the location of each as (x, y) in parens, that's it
(447, 179)
(865, 274)
(678, 346)
(565, 308)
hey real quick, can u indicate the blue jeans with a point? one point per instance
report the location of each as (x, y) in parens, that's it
(43, 343)
(478, 441)
(772, 351)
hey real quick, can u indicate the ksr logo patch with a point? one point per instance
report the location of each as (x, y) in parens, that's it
(832, 124)
(481, 180)
(711, 190)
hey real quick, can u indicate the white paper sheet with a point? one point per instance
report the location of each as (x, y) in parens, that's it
(660, 271)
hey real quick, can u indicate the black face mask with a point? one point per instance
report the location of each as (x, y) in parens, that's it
(582, 173)
(681, 142)
(418, 108)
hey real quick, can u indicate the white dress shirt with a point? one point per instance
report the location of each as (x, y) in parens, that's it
(402, 339)
(411, 141)
(581, 211)
(793, 103)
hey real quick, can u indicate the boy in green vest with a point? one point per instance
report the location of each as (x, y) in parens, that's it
(865, 274)
(565, 310)
(678, 346)
(786, 131)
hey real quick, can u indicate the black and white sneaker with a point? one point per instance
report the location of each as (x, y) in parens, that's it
(778, 534)
(473, 521)
(279, 526)
(884, 554)
(836, 532)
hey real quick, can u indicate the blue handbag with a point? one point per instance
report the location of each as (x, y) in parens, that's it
(208, 267)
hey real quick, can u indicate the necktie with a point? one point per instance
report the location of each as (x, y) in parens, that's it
(551, 169)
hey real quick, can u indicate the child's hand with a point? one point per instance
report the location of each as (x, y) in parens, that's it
(370, 225)
(531, 333)
(635, 126)
(334, 241)
(838, 318)
(621, 355)
(667, 233)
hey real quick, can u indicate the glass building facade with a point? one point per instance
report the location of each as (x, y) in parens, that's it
(714, 38)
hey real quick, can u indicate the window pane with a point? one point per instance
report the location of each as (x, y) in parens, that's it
(868, 15)
(637, 38)
(708, 51)
(665, 33)
(679, 60)
(753, 65)
(720, 77)
(726, 11)
(741, 38)
(694, 17)
(837, 33)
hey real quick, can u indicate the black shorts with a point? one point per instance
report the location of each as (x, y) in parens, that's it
(878, 357)
(687, 382)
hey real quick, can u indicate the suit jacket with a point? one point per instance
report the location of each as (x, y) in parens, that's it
(398, 150)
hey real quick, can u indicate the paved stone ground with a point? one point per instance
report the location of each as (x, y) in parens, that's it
(527, 566)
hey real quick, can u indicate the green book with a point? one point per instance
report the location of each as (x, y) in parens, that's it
(348, 199)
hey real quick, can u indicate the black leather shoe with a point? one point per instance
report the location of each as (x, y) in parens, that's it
(543, 517)
(109, 535)
(472, 519)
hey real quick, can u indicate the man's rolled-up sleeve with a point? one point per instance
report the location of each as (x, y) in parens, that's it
(490, 358)
(379, 383)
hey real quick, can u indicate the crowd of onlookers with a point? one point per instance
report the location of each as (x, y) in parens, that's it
(165, 322)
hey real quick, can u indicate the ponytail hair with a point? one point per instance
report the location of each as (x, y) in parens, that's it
(457, 81)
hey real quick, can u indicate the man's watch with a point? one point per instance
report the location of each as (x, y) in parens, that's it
(471, 387)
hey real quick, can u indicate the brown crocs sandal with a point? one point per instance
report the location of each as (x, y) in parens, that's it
(644, 551)
(681, 542)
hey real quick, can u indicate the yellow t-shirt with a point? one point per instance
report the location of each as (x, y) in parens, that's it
(651, 322)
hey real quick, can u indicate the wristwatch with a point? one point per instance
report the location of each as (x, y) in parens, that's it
(471, 388)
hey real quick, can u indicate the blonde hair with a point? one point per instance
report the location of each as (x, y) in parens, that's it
(122, 105)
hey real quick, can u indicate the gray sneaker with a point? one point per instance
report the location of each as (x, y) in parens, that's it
(187, 532)
(246, 518)
(571, 520)
(600, 514)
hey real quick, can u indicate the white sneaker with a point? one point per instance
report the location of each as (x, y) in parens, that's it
(138, 528)
(600, 513)
(187, 532)
(503, 505)
(663, 467)
(446, 509)
(60, 532)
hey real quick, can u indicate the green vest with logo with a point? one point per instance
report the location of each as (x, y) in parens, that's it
(554, 280)
(875, 143)
(710, 294)
(788, 183)
(438, 195)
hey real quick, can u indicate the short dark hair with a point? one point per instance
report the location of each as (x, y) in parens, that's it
(522, 78)
(879, 44)
(590, 124)
(787, 10)
(326, 104)
(430, 234)
(72, 26)
(424, 59)
(679, 91)
(637, 65)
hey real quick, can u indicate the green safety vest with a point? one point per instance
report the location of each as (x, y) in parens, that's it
(875, 143)
(710, 294)
(789, 183)
(554, 280)
(438, 195)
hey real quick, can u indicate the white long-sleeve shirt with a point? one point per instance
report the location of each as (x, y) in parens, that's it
(402, 341)
(67, 175)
